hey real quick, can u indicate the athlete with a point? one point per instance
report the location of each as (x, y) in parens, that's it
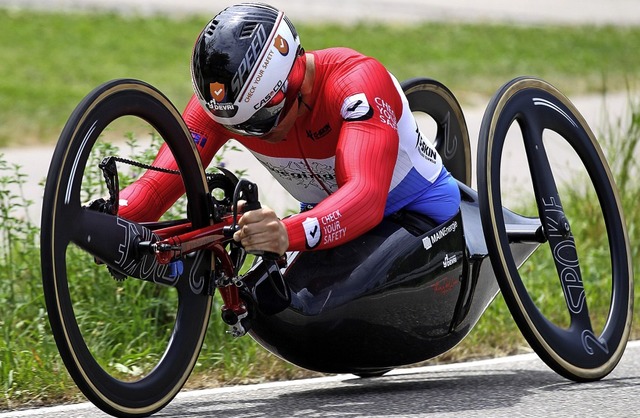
(332, 126)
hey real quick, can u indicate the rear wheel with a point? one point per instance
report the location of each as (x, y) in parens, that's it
(581, 333)
(129, 345)
(450, 135)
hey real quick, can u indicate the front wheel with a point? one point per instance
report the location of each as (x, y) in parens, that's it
(129, 345)
(578, 322)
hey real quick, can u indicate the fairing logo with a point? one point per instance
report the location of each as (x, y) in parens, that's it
(430, 240)
(449, 260)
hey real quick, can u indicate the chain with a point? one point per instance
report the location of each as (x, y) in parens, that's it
(145, 166)
(110, 174)
(152, 167)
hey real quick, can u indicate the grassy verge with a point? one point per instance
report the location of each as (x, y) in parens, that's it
(50, 61)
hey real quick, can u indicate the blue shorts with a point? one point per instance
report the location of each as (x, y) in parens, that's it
(440, 201)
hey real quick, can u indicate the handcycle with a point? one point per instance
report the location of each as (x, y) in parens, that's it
(405, 292)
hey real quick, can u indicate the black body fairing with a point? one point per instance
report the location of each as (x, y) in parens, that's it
(405, 292)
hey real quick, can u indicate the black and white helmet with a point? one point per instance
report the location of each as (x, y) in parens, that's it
(241, 65)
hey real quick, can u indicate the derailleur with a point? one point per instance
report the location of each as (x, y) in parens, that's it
(234, 311)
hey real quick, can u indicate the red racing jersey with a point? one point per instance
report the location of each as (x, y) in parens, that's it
(356, 156)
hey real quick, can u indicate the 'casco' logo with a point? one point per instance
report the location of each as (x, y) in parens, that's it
(217, 91)
(281, 45)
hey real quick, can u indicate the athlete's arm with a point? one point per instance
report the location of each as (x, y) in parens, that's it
(155, 192)
(369, 104)
(365, 161)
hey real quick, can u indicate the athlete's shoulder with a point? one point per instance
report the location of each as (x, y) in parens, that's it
(341, 60)
(337, 54)
(347, 71)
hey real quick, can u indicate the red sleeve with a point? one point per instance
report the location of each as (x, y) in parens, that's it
(366, 151)
(154, 192)
(365, 160)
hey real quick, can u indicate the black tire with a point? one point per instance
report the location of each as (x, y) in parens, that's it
(62, 227)
(452, 137)
(576, 351)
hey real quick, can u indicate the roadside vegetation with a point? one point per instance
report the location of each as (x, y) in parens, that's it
(51, 61)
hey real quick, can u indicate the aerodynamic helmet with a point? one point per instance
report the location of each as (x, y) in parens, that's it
(247, 68)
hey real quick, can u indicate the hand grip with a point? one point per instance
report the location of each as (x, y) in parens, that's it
(250, 195)
(272, 293)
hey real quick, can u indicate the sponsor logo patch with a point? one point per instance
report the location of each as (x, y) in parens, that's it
(425, 148)
(315, 135)
(356, 107)
(217, 91)
(312, 232)
(281, 45)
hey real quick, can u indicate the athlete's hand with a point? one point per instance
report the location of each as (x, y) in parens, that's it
(261, 230)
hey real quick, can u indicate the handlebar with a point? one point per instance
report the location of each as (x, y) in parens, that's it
(272, 295)
(270, 292)
(247, 191)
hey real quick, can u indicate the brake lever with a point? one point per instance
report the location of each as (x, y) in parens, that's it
(248, 192)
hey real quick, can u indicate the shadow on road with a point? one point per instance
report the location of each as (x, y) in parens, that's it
(397, 395)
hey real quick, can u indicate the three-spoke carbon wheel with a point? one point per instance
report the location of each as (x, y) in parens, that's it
(451, 137)
(129, 345)
(587, 243)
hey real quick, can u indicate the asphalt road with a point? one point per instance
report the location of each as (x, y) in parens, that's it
(520, 386)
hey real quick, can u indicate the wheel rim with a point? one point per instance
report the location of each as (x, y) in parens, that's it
(63, 201)
(575, 352)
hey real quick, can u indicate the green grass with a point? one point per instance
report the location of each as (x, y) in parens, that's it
(50, 61)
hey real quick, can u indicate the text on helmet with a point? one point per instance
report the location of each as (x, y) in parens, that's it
(249, 59)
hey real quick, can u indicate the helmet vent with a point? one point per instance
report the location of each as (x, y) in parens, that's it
(212, 27)
(248, 29)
